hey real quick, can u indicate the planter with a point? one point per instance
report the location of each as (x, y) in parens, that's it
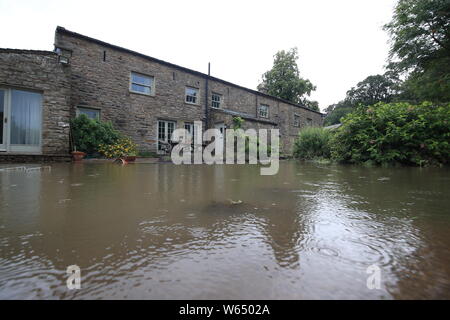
(126, 159)
(77, 156)
(129, 158)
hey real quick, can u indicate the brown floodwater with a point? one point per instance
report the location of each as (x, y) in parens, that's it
(161, 231)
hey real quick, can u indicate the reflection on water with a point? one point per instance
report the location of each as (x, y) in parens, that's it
(161, 231)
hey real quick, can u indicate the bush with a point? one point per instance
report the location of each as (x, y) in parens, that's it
(312, 142)
(88, 134)
(395, 133)
(123, 147)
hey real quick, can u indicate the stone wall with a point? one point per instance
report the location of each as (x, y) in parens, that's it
(40, 71)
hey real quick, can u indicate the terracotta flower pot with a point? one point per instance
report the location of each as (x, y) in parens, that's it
(78, 155)
(126, 159)
(130, 158)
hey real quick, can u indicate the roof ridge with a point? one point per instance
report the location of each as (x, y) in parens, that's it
(13, 50)
(198, 73)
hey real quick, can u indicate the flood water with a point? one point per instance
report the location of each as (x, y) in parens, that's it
(160, 231)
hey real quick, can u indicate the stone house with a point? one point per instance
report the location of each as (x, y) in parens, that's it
(144, 97)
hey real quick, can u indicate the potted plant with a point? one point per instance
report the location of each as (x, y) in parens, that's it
(77, 156)
(124, 150)
(131, 156)
(86, 134)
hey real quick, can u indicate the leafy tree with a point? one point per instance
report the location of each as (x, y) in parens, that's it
(313, 105)
(373, 89)
(284, 81)
(335, 115)
(420, 48)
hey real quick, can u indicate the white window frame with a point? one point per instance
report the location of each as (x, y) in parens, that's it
(262, 106)
(197, 97)
(219, 103)
(5, 131)
(168, 138)
(7, 146)
(296, 120)
(151, 87)
(88, 108)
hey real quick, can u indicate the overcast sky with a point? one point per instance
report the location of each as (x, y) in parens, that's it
(340, 42)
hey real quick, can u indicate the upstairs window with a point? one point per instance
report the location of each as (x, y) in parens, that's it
(142, 84)
(296, 120)
(263, 111)
(216, 99)
(191, 95)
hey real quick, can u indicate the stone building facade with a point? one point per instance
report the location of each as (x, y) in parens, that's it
(144, 97)
(34, 105)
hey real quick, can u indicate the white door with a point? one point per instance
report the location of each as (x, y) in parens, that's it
(189, 127)
(3, 120)
(165, 130)
(220, 140)
(21, 120)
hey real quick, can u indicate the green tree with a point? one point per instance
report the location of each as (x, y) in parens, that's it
(373, 89)
(284, 81)
(311, 104)
(336, 111)
(420, 48)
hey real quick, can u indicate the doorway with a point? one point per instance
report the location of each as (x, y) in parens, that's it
(220, 139)
(20, 121)
(165, 130)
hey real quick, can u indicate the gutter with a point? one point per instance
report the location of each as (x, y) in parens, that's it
(206, 98)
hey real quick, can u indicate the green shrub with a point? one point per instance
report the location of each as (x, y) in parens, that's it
(312, 142)
(395, 133)
(123, 147)
(88, 134)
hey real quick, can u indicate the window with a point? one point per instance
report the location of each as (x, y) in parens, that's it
(191, 95)
(263, 111)
(296, 120)
(216, 99)
(91, 113)
(308, 121)
(142, 84)
(21, 120)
